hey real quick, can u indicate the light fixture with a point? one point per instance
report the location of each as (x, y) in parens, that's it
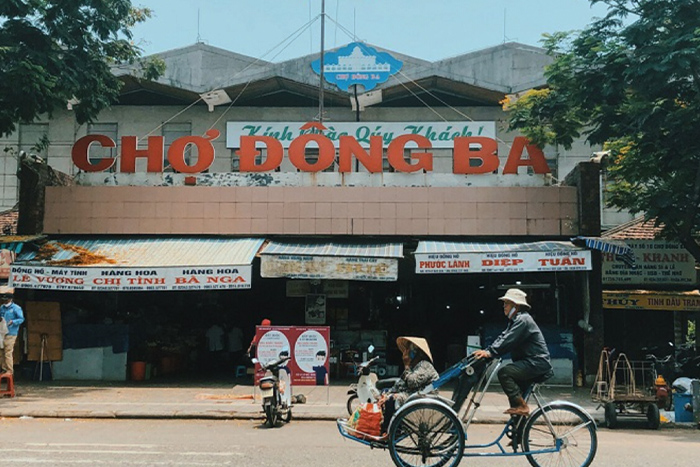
(447, 307)
(366, 99)
(481, 312)
(214, 98)
(73, 101)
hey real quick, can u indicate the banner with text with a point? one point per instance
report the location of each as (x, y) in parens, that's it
(329, 267)
(651, 301)
(516, 261)
(440, 134)
(116, 279)
(307, 346)
(656, 262)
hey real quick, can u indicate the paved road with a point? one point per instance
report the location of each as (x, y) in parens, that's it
(41, 442)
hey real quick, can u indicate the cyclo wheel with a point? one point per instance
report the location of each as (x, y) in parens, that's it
(574, 433)
(353, 404)
(426, 434)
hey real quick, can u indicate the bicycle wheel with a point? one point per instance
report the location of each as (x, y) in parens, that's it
(572, 434)
(353, 404)
(426, 434)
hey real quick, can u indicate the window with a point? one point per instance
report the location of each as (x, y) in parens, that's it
(34, 139)
(236, 160)
(97, 152)
(171, 132)
(387, 167)
(312, 158)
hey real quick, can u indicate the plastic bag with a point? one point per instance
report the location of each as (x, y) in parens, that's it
(369, 421)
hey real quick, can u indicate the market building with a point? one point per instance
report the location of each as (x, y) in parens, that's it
(216, 196)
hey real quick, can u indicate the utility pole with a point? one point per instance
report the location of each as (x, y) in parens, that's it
(320, 87)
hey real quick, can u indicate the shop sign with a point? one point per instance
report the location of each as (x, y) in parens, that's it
(651, 301)
(6, 259)
(332, 289)
(357, 63)
(131, 279)
(518, 261)
(656, 262)
(329, 267)
(474, 149)
(439, 134)
(307, 346)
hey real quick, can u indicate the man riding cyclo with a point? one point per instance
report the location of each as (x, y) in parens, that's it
(525, 342)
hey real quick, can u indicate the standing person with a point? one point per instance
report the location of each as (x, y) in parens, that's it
(253, 347)
(234, 344)
(418, 373)
(13, 316)
(525, 342)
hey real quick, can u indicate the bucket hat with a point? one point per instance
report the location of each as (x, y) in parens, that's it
(403, 342)
(516, 296)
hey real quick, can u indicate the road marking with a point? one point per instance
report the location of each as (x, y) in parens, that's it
(108, 451)
(34, 460)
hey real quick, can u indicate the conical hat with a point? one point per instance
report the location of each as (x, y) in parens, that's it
(403, 341)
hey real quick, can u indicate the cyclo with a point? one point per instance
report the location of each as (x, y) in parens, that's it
(428, 430)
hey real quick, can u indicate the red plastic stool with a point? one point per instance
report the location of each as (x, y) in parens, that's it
(10, 379)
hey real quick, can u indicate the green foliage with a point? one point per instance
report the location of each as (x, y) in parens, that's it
(630, 81)
(52, 51)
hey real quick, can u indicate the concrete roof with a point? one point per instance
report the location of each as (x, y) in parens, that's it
(479, 78)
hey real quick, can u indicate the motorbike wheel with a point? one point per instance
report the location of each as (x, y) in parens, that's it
(353, 404)
(270, 415)
(653, 416)
(288, 417)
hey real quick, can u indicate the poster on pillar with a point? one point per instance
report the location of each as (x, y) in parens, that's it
(308, 347)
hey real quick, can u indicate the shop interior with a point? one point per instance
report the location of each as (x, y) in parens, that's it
(168, 330)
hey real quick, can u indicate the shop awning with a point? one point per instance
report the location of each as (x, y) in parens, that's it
(617, 247)
(345, 261)
(15, 243)
(436, 257)
(137, 264)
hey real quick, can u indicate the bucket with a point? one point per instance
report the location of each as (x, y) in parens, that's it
(680, 401)
(138, 371)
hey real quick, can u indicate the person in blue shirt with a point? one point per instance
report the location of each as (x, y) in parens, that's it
(13, 316)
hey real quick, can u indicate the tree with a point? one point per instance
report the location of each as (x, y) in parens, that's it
(56, 51)
(631, 82)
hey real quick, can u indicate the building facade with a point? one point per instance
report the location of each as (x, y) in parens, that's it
(411, 213)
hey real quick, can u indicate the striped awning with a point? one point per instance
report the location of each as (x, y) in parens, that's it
(616, 247)
(377, 250)
(166, 263)
(339, 261)
(441, 257)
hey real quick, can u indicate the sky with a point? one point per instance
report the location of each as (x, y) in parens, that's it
(274, 30)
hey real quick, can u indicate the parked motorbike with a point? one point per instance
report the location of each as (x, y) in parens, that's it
(275, 405)
(368, 387)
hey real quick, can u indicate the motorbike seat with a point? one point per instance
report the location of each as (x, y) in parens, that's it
(386, 383)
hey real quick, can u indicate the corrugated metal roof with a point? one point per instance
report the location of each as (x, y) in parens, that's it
(430, 246)
(378, 250)
(151, 252)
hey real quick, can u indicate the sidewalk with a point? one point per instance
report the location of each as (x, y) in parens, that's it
(214, 401)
